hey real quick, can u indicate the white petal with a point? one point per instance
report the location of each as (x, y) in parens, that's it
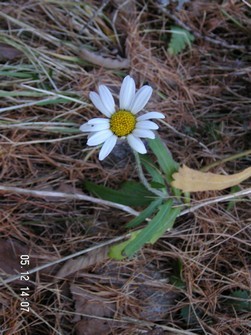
(151, 115)
(107, 98)
(146, 125)
(99, 127)
(99, 137)
(136, 144)
(127, 93)
(98, 121)
(145, 133)
(107, 147)
(95, 98)
(141, 99)
(85, 127)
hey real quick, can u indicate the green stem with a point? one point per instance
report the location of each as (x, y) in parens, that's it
(143, 178)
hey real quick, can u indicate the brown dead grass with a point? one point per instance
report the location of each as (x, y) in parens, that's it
(205, 95)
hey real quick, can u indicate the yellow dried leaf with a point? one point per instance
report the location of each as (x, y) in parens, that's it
(189, 180)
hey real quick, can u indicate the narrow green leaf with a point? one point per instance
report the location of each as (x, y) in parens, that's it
(23, 75)
(180, 39)
(156, 185)
(165, 160)
(152, 169)
(116, 251)
(62, 130)
(231, 203)
(163, 220)
(20, 93)
(176, 281)
(166, 225)
(131, 193)
(144, 214)
(53, 101)
(176, 278)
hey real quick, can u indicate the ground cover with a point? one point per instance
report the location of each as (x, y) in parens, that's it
(56, 276)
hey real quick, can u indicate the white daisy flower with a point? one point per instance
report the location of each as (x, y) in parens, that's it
(122, 123)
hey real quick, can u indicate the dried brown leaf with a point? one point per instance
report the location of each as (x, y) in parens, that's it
(91, 304)
(93, 327)
(63, 188)
(126, 8)
(80, 263)
(190, 180)
(10, 252)
(9, 52)
(108, 62)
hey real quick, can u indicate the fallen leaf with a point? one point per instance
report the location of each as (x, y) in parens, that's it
(190, 180)
(8, 52)
(93, 327)
(127, 9)
(91, 305)
(108, 62)
(10, 252)
(63, 188)
(73, 265)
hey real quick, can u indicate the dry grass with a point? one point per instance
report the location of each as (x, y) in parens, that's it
(205, 95)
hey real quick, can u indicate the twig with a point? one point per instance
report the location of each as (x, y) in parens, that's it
(71, 196)
(216, 200)
(246, 3)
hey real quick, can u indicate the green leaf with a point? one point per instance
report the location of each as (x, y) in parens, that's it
(231, 203)
(20, 93)
(152, 169)
(180, 39)
(176, 278)
(167, 224)
(53, 101)
(131, 193)
(23, 75)
(156, 185)
(177, 282)
(144, 214)
(165, 160)
(241, 301)
(190, 315)
(116, 251)
(163, 220)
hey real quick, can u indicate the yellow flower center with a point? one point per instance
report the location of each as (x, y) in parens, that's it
(122, 123)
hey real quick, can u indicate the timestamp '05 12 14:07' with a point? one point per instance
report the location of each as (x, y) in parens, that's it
(24, 291)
